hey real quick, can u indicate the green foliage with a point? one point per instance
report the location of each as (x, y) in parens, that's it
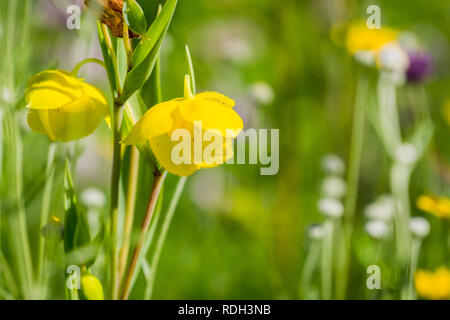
(134, 16)
(146, 53)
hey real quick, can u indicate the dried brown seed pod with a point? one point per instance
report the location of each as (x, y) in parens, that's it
(110, 13)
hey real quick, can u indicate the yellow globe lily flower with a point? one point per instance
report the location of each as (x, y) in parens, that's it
(62, 106)
(361, 38)
(212, 109)
(433, 285)
(92, 287)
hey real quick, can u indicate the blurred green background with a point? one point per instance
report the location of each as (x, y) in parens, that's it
(237, 234)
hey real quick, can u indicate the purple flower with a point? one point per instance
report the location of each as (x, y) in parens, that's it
(420, 66)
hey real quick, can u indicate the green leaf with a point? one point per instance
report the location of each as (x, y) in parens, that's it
(76, 230)
(146, 53)
(110, 63)
(190, 68)
(421, 136)
(134, 16)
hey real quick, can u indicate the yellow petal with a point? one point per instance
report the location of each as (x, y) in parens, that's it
(162, 149)
(34, 121)
(52, 89)
(361, 38)
(156, 121)
(97, 98)
(217, 159)
(216, 97)
(212, 115)
(75, 121)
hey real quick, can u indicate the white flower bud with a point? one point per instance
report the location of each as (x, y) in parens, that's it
(393, 58)
(382, 209)
(331, 208)
(365, 57)
(333, 187)
(420, 227)
(377, 229)
(316, 231)
(262, 93)
(7, 95)
(332, 164)
(93, 197)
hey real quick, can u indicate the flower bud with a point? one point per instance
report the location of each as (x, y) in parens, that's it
(333, 187)
(420, 227)
(382, 209)
(54, 228)
(316, 231)
(92, 287)
(333, 164)
(93, 197)
(331, 208)
(393, 58)
(110, 13)
(377, 229)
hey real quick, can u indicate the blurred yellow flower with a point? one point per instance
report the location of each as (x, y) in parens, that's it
(438, 206)
(92, 287)
(446, 111)
(62, 106)
(361, 38)
(214, 110)
(433, 285)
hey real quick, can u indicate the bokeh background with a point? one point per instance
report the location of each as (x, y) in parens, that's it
(237, 234)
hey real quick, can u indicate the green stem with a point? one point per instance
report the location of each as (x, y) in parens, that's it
(128, 45)
(17, 219)
(129, 209)
(308, 269)
(158, 180)
(142, 261)
(114, 211)
(80, 64)
(354, 165)
(1, 170)
(415, 250)
(327, 260)
(45, 210)
(387, 104)
(162, 236)
(400, 176)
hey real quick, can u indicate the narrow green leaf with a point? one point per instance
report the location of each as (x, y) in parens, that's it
(110, 63)
(146, 53)
(134, 16)
(76, 229)
(190, 68)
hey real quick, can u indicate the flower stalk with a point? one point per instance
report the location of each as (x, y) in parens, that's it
(158, 180)
(354, 165)
(162, 236)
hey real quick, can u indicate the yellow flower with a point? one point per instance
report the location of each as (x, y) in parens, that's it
(438, 206)
(361, 38)
(433, 285)
(92, 287)
(62, 106)
(207, 112)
